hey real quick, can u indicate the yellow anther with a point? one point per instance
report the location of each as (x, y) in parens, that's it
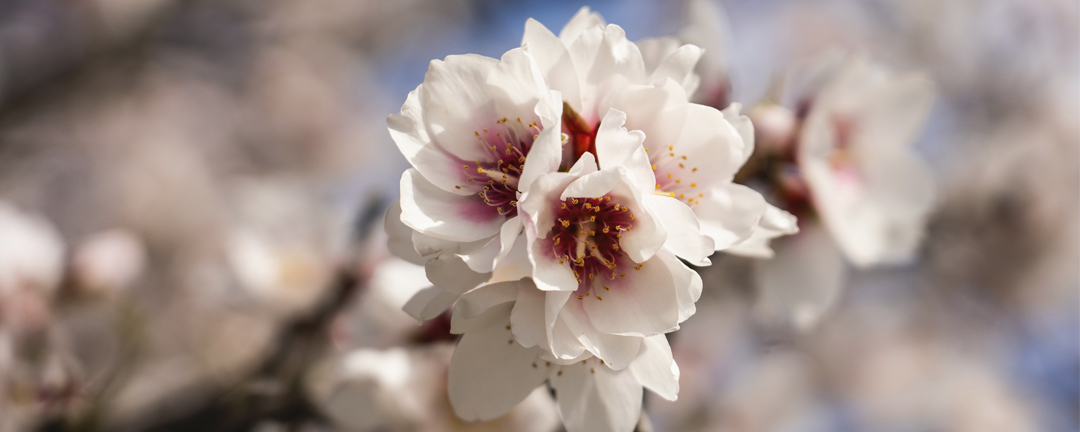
(592, 218)
(457, 187)
(574, 200)
(693, 184)
(607, 289)
(599, 298)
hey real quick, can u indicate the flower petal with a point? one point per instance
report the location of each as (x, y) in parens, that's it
(490, 373)
(774, 223)
(594, 398)
(456, 102)
(655, 369)
(451, 274)
(483, 306)
(643, 303)
(616, 350)
(615, 146)
(553, 59)
(802, 282)
(400, 236)
(679, 66)
(429, 303)
(516, 85)
(729, 213)
(527, 317)
(484, 259)
(684, 233)
(409, 132)
(582, 20)
(617, 63)
(437, 213)
(546, 152)
(743, 126)
(687, 285)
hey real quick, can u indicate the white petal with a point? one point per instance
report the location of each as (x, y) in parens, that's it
(451, 274)
(655, 50)
(400, 236)
(679, 66)
(658, 110)
(617, 63)
(490, 373)
(707, 136)
(729, 213)
(775, 223)
(481, 307)
(582, 20)
(546, 152)
(429, 303)
(435, 212)
(655, 369)
(895, 112)
(687, 285)
(527, 317)
(516, 85)
(616, 350)
(553, 59)
(409, 132)
(802, 282)
(684, 233)
(643, 303)
(743, 126)
(615, 146)
(594, 398)
(484, 259)
(548, 273)
(456, 103)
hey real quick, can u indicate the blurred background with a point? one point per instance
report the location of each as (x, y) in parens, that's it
(191, 195)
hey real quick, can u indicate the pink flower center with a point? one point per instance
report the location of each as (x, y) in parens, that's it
(507, 145)
(586, 236)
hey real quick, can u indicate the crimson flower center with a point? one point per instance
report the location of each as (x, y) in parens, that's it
(507, 145)
(586, 236)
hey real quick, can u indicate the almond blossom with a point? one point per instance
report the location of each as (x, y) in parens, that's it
(613, 177)
(847, 169)
(540, 103)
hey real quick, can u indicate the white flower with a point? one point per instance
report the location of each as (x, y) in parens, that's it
(854, 170)
(604, 247)
(31, 253)
(871, 191)
(109, 262)
(478, 132)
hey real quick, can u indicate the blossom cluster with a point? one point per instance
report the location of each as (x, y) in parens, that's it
(557, 196)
